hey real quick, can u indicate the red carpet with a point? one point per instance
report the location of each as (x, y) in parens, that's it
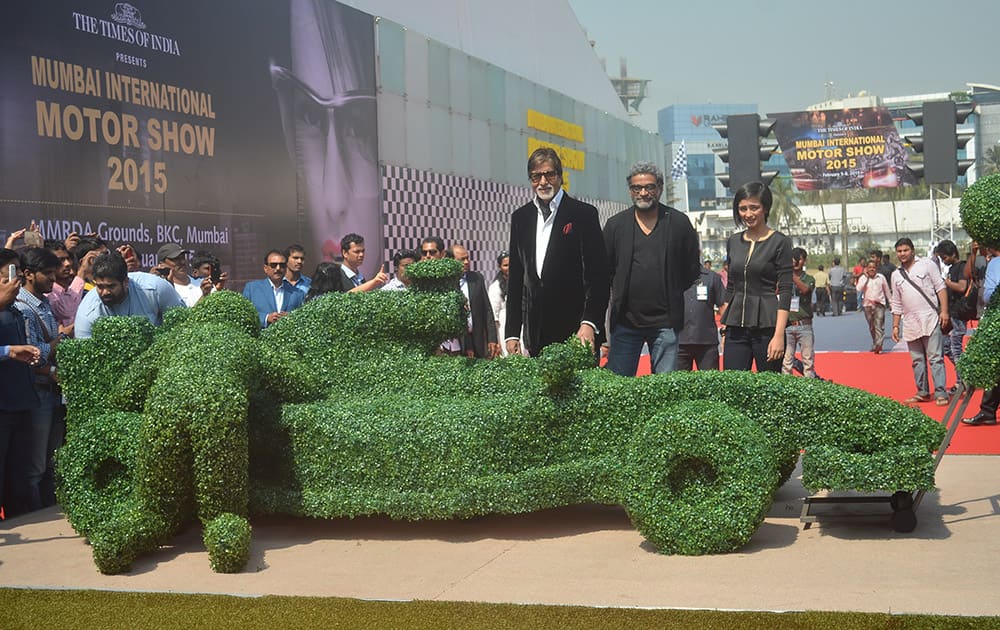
(890, 375)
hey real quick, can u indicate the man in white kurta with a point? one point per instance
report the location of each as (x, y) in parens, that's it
(920, 303)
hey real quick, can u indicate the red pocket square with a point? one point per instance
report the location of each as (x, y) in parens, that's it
(568, 228)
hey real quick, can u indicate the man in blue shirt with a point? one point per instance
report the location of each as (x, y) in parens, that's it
(273, 297)
(117, 292)
(296, 256)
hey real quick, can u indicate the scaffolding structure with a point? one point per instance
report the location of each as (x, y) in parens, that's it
(942, 217)
(630, 90)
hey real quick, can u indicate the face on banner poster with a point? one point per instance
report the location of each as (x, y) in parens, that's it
(844, 148)
(224, 126)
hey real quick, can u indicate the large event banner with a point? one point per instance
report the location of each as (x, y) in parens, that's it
(844, 148)
(228, 126)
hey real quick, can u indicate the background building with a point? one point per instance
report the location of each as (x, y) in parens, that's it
(835, 221)
(693, 125)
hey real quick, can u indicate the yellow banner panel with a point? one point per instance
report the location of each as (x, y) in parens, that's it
(571, 158)
(555, 126)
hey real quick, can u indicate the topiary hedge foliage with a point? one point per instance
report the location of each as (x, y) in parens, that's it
(980, 210)
(341, 409)
(979, 365)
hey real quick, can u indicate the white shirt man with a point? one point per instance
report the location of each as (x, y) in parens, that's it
(914, 286)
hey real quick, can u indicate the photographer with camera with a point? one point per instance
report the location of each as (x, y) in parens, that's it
(172, 266)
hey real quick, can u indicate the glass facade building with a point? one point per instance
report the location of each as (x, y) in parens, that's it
(693, 124)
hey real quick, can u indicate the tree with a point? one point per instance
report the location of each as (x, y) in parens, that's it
(784, 209)
(991, 161)
(862, 249)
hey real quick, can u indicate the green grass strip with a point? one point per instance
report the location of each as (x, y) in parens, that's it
(94, 610)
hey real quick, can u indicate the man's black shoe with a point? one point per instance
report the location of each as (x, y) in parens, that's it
(980, 419)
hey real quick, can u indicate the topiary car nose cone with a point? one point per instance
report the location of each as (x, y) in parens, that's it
(438, 275)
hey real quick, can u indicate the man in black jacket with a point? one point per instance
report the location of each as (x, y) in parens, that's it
(481, 340)
(653, 257)
(558, 270)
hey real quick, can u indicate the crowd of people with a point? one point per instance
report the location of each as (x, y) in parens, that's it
(636, 282)
(50, 291)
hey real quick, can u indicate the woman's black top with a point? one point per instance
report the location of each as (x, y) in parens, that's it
(760, 280)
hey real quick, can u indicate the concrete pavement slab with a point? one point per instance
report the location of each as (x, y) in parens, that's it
(583, 555)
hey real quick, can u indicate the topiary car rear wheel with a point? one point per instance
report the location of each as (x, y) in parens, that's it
(699, 479)
(903, 519)
(901, 500)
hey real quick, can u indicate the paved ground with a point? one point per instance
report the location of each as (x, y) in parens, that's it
(587, 555)
(849, 332)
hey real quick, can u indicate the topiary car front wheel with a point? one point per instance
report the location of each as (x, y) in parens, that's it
(699, 478)
(95, 470)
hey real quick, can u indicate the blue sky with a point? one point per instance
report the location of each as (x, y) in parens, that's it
(781, 54)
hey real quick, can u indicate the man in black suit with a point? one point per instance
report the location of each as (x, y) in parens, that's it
(558, 269)
(481, 340)
(653, 256)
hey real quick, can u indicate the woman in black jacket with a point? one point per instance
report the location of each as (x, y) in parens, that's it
(759, 291)
(326, 279)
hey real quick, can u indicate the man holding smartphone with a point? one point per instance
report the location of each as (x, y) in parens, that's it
(172, 265)
(204, 265)
(17, 392)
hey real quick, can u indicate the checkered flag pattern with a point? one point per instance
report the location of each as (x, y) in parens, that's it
(463, 210)
(679, 167)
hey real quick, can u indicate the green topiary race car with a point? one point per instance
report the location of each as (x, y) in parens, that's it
(341, 409)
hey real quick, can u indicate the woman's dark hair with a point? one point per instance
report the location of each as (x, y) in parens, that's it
(326, 279)
(500, 277)
(752, 190)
